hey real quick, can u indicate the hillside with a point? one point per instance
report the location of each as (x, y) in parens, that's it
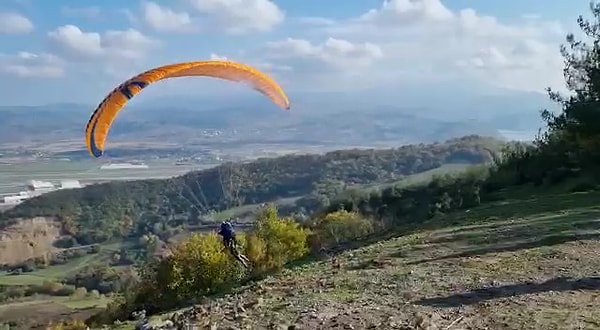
(515, 264)
(122, 209)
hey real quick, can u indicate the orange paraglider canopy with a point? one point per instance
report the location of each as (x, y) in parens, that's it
(99, 124)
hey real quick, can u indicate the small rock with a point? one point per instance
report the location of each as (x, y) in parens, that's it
(254, 303)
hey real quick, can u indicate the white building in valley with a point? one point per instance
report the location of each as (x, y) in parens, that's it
(36, 188)
(124, 166)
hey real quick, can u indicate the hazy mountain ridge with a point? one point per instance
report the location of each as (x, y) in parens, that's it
(339, 118)
(268, 125)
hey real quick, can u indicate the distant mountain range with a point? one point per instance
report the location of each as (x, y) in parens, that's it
(341, 119)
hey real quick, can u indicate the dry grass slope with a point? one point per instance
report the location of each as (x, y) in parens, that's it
(539, 272)
(28, 238)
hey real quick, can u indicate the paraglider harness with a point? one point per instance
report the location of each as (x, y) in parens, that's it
(230, 242)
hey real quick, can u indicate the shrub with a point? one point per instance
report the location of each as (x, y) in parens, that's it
(68, 325)
(340, 227)
(65, 290)
(65, 242)
(52, 289)
(79, 293)
(15, 292)
(200, 265)
(94, 294)
(275, 241)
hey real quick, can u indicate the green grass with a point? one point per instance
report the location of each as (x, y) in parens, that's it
(426, 176)
(247, 209)
(59, 272)
(70, 302)
(422, 177)
(84, 303)
(407, 181)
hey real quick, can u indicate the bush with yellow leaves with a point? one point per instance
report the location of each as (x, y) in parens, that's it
(275, 241)
(338, 228)
(68, 325)
(197, 266)
(201, 265)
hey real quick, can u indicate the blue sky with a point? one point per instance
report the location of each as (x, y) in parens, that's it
(78, 50)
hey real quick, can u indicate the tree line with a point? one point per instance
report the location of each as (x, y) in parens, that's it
(564, 156)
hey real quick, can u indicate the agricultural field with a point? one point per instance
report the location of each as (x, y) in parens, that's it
(13, 177)
(37, 314)
(58, 272)
(38, 310)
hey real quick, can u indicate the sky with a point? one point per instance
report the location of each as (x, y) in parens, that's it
(76, 51)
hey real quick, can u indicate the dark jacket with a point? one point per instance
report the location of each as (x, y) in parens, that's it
(227, 230)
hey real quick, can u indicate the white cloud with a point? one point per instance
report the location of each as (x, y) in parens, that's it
(76, 44)
(29, 65)
(424, 40)
(331, 54)
(404, 12)
(260, 64)
(13, 23)
(128, 44)
(334, 62)
(164, 19)
(526, 65)
(216, 57)
(240, 16)
(86, 12)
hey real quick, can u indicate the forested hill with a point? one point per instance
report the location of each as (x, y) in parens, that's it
(124, 208)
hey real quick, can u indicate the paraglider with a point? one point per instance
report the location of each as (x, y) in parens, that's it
(230, 242)
(101, 120)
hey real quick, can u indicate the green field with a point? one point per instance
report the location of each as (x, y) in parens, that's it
(422, 177)
(70, 302)
(59, 272)
(13, 177)
(37, 314)
(39, 310)
(245, 210)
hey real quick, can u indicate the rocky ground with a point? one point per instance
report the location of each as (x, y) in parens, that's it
(539, 272)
